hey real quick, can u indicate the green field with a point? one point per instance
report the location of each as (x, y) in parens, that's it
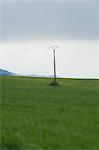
(36, 116)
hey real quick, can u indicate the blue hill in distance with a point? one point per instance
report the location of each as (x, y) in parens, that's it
(6, 73)
(9, 73)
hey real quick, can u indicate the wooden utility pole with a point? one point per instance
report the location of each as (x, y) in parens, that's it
(54, 65)
(54, 57)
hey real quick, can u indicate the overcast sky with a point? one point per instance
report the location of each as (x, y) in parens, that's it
(29, 27)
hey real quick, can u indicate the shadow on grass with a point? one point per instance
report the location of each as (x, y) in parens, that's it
(8, 143)
(54, 84)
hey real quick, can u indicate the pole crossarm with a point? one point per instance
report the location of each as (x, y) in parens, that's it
(54, 47)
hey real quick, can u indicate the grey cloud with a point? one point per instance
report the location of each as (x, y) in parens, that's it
(70, 20)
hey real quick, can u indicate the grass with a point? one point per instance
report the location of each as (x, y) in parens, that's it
(36, 116)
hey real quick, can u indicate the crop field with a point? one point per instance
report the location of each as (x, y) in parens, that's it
(36, 116)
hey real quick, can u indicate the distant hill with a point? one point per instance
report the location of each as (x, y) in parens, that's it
(6, 73)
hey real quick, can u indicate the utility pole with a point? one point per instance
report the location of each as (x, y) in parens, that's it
(54, 65)
(54, 57)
